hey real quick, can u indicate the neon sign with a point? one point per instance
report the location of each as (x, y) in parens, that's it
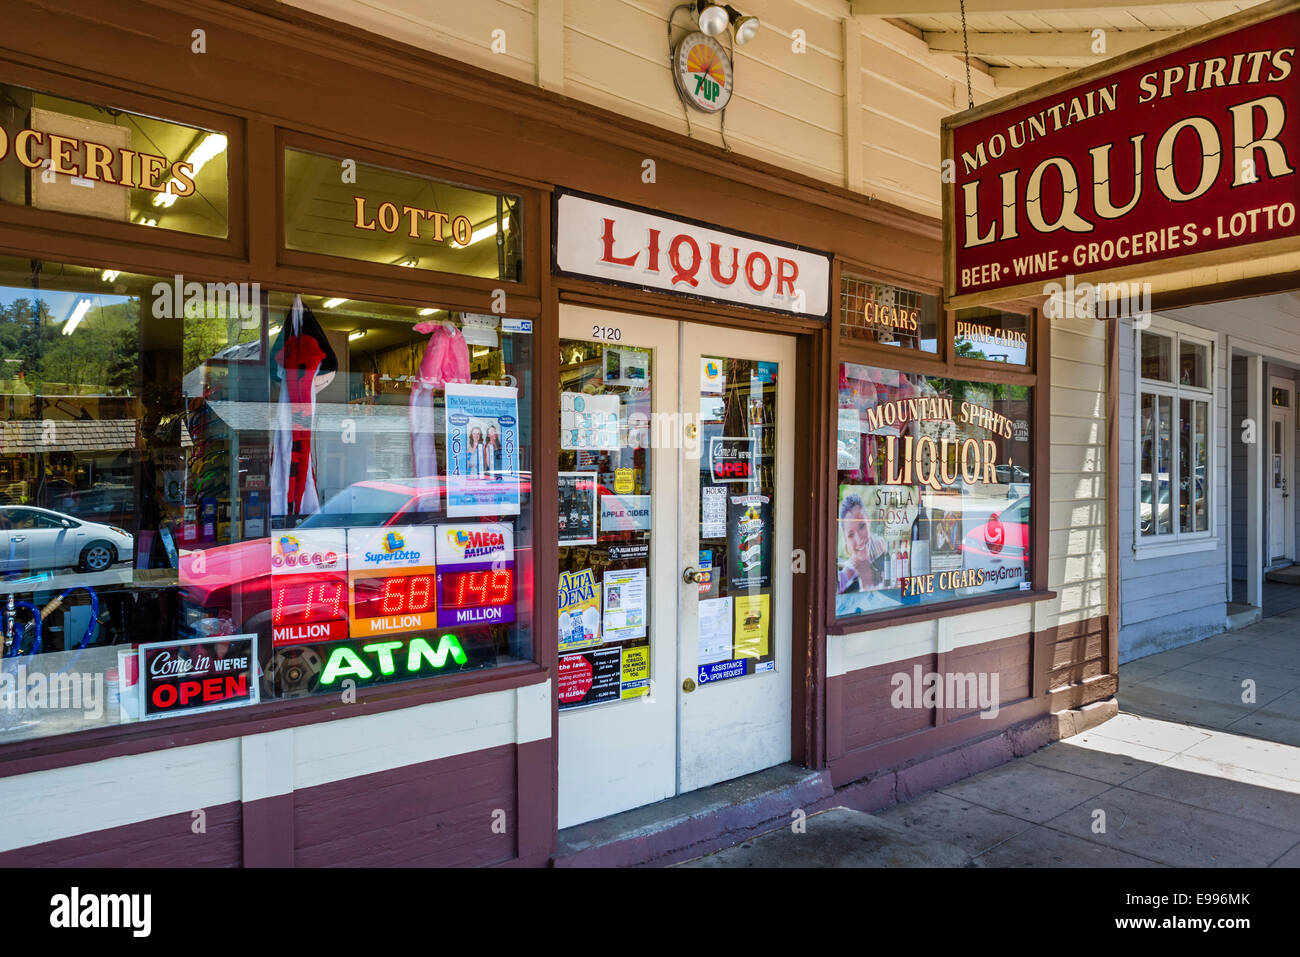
(385, 657)
(308, 609)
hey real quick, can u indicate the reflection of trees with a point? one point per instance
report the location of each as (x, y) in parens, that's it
(100, 357)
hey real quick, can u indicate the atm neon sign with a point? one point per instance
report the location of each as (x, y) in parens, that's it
(346, 662)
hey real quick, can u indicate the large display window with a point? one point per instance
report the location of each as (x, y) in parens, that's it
(213, 495)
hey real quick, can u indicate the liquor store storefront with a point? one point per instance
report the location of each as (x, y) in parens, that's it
(455, 481)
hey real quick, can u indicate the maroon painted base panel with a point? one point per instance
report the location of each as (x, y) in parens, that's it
(170, 841)
(454, 812)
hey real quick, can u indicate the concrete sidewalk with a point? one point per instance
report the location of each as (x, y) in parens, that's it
(1187, 775)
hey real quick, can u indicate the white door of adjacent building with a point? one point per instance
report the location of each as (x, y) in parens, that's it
(676, 502)
(1281, 468)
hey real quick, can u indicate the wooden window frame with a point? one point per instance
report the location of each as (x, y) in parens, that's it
(1035, 375)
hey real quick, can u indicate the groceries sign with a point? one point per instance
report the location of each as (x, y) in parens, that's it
(1179, 155)
(611, 243)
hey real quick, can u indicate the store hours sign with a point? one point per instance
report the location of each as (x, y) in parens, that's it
(1179, 155)
(599, 240)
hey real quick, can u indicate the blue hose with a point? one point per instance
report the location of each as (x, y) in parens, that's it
(36, 615)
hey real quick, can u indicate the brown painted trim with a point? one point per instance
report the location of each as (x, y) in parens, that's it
(1041, 477)
(582, 292)
(535, 799)
(888, 619)
(268, 831)
(930, 741)
(1082, 693)
(83, 747)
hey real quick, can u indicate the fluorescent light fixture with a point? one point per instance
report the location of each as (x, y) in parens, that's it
(78, 313)
(354, 336)
(146, 221)
(483, 232)
(272, 332)
(334, 303)
(212, 145)
(428, 312)
(409, 263)
(109, 275)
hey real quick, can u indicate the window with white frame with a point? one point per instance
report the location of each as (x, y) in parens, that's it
(1175, 409)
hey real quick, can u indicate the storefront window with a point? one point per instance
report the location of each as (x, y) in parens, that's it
(213, 495)
(991, 335)
(72, 157)
(888, 315)
(340, 207)
(934, 489)
(1173, 433)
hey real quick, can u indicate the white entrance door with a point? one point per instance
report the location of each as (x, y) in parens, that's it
(675, 647)
(1281, 466)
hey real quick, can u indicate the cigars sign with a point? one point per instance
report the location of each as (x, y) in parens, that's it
(611, 243)
(1179, 155)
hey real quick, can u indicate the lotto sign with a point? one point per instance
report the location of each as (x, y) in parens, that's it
(391, 580)
(309, 587)
(476, 574)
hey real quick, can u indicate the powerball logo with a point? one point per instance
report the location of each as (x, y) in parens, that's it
(289, 553)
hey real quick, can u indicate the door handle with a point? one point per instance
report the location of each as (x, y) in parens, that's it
(693, 576)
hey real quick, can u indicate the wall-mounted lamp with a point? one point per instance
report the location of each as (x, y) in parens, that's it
(713, 18)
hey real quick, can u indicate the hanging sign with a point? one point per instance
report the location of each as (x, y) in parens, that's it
(1177, 156)
(633, 247)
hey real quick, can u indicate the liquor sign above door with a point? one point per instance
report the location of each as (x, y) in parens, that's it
(632, 247)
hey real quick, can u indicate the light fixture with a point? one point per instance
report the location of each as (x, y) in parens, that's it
(712, 17)
(212, 145)
(745, 26)
(334, 303)
(483, 232)
(355, 335)
(410, 262)
(109, 275)
(78, 313)
(143, 220)
(273, 331)
(428, 312)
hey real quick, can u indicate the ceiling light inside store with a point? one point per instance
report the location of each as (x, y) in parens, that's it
(354, 336)
(273, 331)
(428, 312)
(746, 27)
(78, 313)
(212, 145)
(146, 221)
(483, 232)
(712, 17)
(108, 275)
(334, 303)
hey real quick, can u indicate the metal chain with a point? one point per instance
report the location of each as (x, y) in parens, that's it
(970, 94)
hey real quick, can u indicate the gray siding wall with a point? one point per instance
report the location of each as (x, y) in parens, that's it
(1169, 600)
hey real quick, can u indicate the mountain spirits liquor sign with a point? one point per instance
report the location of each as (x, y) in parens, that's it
(1177, 156)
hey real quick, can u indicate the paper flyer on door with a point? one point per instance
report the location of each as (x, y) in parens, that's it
(482, 450)
(752, 619)
(625, 604)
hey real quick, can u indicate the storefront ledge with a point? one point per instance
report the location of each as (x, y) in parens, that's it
(888, 619)
(692, 825)
(1072, 721)
(83, 747)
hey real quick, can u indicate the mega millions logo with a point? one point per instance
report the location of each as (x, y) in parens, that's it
(287, 551)
(475, 543)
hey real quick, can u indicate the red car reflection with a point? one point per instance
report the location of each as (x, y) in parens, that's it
(235, 580)
(1005, 536)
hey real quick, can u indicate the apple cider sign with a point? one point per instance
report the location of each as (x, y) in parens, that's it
(1152, 160)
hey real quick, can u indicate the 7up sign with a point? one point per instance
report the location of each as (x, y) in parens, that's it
(702, 72)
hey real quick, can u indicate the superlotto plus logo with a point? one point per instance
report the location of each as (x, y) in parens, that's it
(393, 548)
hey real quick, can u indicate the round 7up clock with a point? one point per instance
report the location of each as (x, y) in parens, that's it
(702, 72)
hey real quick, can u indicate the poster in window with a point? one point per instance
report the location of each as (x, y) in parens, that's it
(482, 450)
(577, 508)
(589, 677)
(749, 541)
(193, 677)
(579, 601)
(589, 422)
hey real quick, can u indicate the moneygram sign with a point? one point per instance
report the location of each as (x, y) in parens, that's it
(1179, 155)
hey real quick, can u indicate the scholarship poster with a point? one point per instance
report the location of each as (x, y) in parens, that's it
(482, 450)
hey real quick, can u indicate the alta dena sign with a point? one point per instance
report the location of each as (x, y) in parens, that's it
(1175, 156)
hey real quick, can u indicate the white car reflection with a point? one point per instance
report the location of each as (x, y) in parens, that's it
(34, 539)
